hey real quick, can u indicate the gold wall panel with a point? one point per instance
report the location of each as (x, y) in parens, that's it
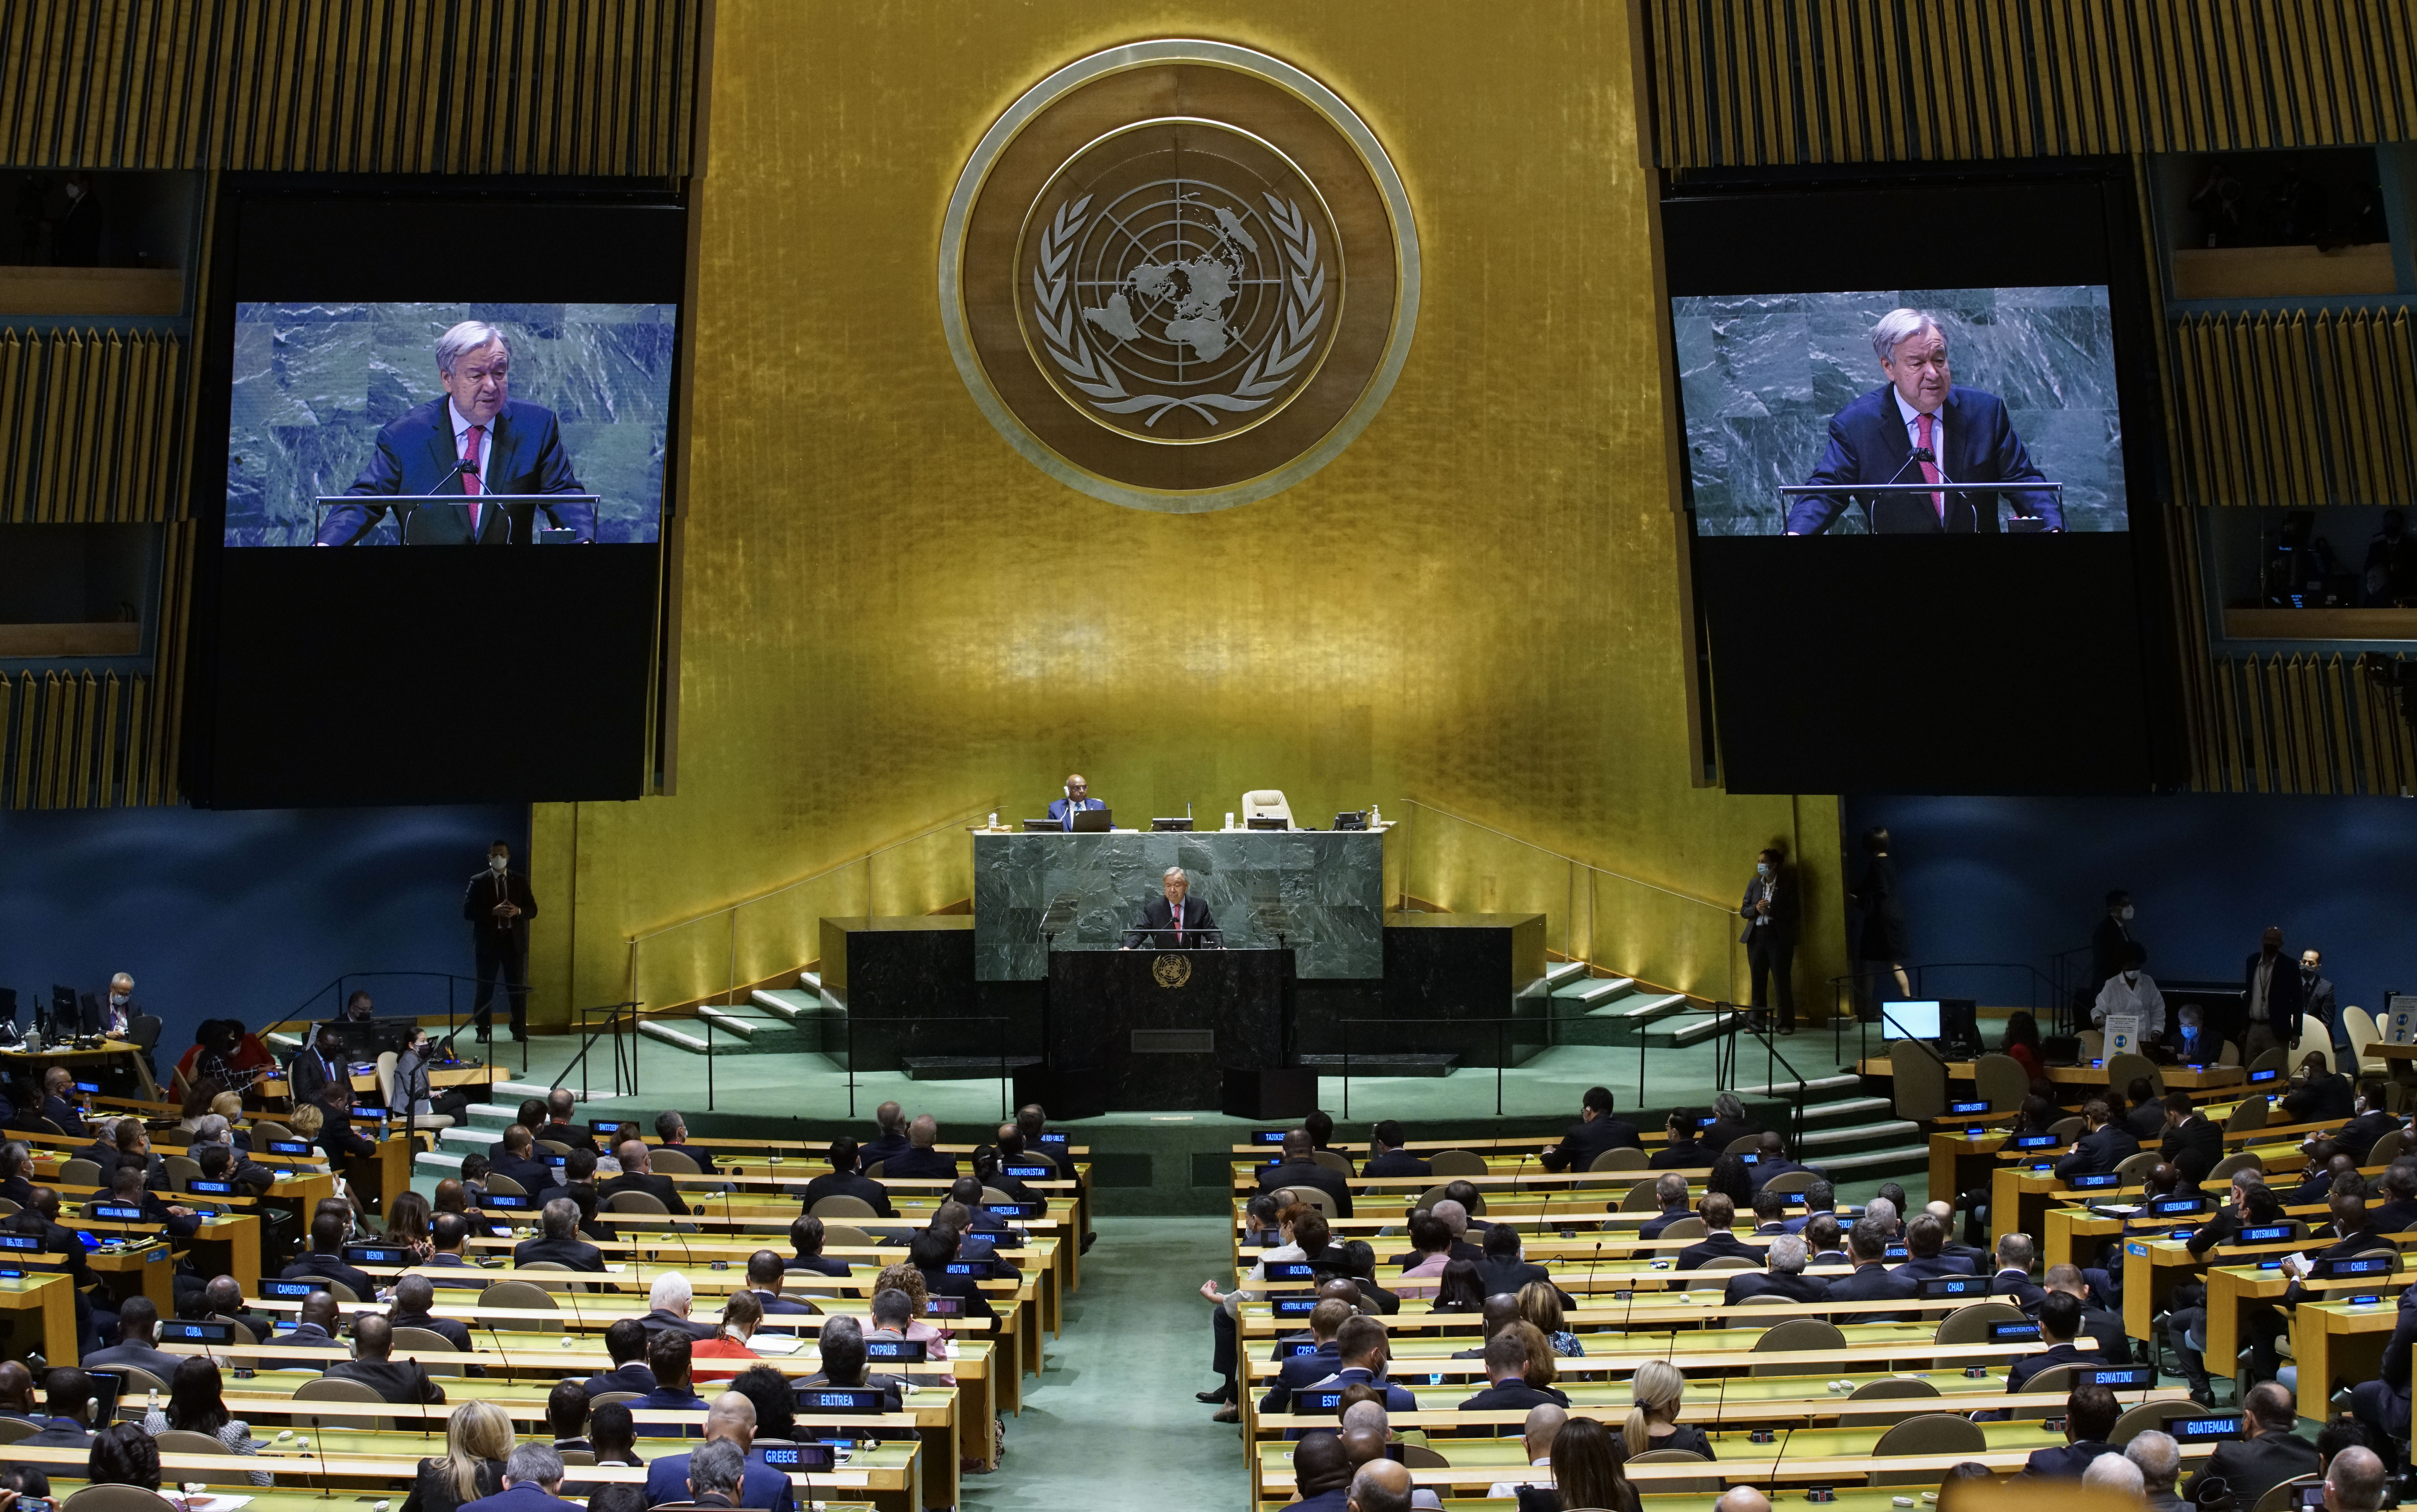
(2310, 724)
(1756, 81)
(889, 618)
(2290, 408)
(90, 425)
(456, 86)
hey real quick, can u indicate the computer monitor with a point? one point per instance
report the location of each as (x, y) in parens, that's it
(1959, 1029)
(1909, 1020)
(1095, 821)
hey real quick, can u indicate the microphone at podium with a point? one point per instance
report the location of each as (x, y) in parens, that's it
(1175, 920)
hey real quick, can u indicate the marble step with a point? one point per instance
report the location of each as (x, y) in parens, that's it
(1897, 1159)
(726, 1022)
(782, 1004)
(1593, 992)
(1692, 1028)
(1781, 1091)
(656, 1029)
(1824, 1139)
(1562, 974)
(1846, 1108)
(1645, 1009)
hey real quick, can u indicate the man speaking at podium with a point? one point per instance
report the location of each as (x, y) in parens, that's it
(1883, 437)
(1176, 922)
(475, 441)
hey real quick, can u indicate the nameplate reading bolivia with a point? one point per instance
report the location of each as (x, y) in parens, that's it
(1179, 275)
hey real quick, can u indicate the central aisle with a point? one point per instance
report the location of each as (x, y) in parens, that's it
(1112, 1422)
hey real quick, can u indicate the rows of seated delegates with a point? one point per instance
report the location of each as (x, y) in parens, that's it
(796, 1363)
(1573, 1327)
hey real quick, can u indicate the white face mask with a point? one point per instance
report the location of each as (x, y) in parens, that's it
(117, 1000)
(2130, 978)
(2126, 915)
(495, 863)
(1762, 869)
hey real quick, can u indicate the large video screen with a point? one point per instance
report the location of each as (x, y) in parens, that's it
(398, 370)
(350, 424)
(1919, 420)
(1899, 387)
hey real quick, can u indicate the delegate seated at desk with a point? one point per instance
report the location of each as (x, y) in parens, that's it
(1175, 922)
(1078, 800)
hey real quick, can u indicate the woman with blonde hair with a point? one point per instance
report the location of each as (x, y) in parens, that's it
(478, 1441)
(1540, 1303)
(1653, 1422)
(906, 1278)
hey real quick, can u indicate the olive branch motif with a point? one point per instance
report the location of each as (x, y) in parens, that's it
(1288, 346)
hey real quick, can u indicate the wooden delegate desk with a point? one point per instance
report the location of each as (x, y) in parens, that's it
(2209, 1079)
(144, 1270)
(48, 1298)
(2334, 1342)
(116, 1062)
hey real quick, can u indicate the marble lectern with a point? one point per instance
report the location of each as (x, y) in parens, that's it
(1330, 884)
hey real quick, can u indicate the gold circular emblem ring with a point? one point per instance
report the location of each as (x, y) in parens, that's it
(1179, 276)
(1172, 971)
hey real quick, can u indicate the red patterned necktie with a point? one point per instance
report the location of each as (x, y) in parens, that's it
(1930, 473)
(470, 475)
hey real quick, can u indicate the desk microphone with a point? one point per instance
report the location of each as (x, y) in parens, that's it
(1779, 1456)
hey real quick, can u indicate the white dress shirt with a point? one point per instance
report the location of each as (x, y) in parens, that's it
(1503, 1490)
(2138, 995)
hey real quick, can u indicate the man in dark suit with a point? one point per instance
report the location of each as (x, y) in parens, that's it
(1322, 1472)
(1684, 1150)
(325, 1260)
(138, 1326)
(2108, 941)
(669, 1355)
(806, 1247)
(516, 1160)
(1078, 800)
(1924, 1239)
(14, 1158)
(2059, 1320)
(845, 1180)
(415, 1300)
(922, 1160)
(559, 1105)
(2191, 1145)
(2272, 980)
(222, 1302)
(374, 1365)
(497, 904)
(1595, 1132)
(888, 1138)
(1878, 438)
(1826, 1240)
(1299, 1167)
(929, 1251)
(1506, 1389)
(1671, 1192)
(1361, 1352)
(2014, 1281)
(2090, 1414)
(1503, 1269)
(1387, 1157)
(1770, 1159)
(475, 440)
(668, 1303)
(2368, 1124)
(2317, 999)
(2398, 1212)
(2107, 1145)
(1871, 1281)
(2097, 1323)
(2322, 1096)
(58, 1104)
(2271, 1453)
(625, 1342)
(2146, 1118)
(671, 1130)
(638, 1175)
(68, 1394)
(1718, 1213)
(765, 1271)
(1326, 1319)
(1769, 1212)
(314, 1327)
(2381, 1404)
(1729, 1123)
(1770, 913)
(1175, 920)
(558, 1242)
(1785, 1279)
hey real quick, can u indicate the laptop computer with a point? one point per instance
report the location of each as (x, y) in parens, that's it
(1095, 821)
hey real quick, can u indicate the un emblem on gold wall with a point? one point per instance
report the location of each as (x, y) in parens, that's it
(1179, 276)
(1172, 971)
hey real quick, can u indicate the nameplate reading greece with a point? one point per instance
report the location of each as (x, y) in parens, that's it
(1179, 275)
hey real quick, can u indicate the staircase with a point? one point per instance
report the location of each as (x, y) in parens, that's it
(483, 1124)
(773, 1020)
(1849, 1133)
(1611, 1010)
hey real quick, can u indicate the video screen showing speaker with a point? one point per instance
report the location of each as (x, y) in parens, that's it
(448, 424)
(435, 569)
(1918, 411)
(1901, 411)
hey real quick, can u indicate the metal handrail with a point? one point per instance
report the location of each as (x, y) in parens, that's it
(302, 1014)
(1844, 984)
(997, 1018)
(1741, 1018)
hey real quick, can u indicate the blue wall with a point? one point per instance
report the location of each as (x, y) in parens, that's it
(2019, 879)
(241, 914)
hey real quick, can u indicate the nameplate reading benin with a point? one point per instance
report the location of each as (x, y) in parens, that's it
(1179, 275)
(1174, 1042)
(1171, 969)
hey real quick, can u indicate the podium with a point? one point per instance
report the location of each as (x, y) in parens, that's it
(1159, 1029)
(443, 519)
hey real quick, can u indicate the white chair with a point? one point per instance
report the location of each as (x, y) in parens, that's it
(2315, 1039)
(386, 1094)
(1266, 803)
(2359, 1027)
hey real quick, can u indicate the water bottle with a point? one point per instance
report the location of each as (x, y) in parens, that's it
(993, 819)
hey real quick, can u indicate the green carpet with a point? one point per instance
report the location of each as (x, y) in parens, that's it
(1111, 1421)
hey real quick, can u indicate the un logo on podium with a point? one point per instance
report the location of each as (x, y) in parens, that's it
(1171, 969)
(1179, 275)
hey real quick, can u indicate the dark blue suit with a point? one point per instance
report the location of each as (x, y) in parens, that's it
(1298, 1372)
(761, 1486)
(1064, 809)
(1868, 444)
(524, 455)
(1871, 1282)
